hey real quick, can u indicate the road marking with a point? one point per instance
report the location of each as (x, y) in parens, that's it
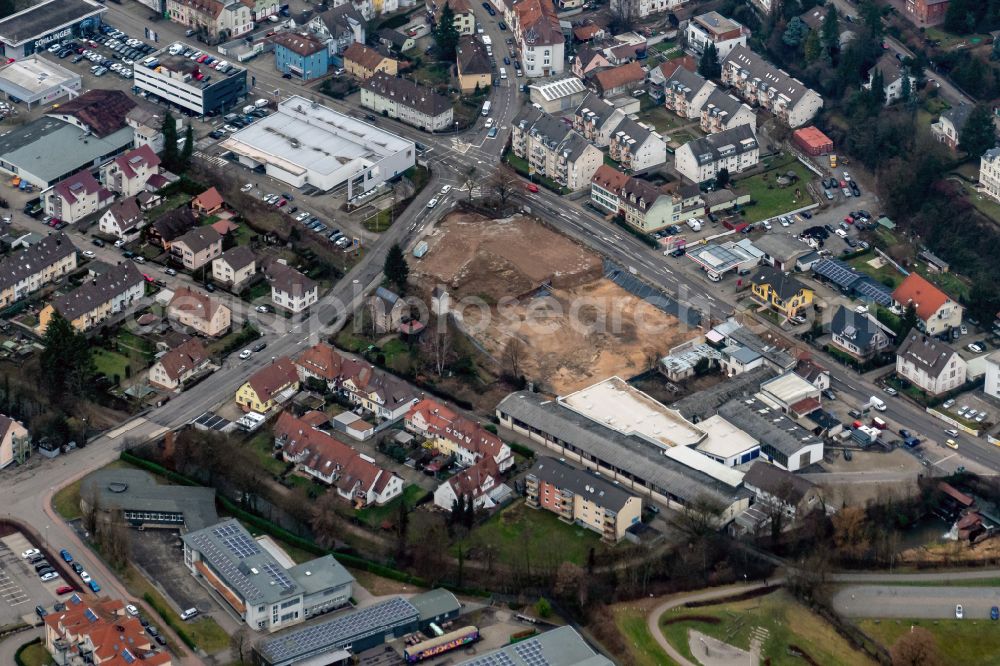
(949, 457)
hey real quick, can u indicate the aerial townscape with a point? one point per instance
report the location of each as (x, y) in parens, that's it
(509, 333)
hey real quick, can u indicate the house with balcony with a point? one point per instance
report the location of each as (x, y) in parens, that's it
(122, 219)
(582, 498)
(76, 197)
(929, 364)
(606, 187)
(635, 147)
(721, 111)
(200, 312)
(685, 93)
(98, 299)
(989, 174)
(759, 83)
(453, 434)
(272, 385)
(734, 149)
(98, 630)
(381, 394)
(554, 150)
(127, 174)
(937, 313)
(714, 28)
(25, 271)
(595, 119)
(338, 28)
(197, 247)
(859, 334)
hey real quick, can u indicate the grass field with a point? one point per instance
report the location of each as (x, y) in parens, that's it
(110, 364)
(375, 515)
(958, 641)
(519, 534)
(643, 648)
(783, 620)
(972, 582)
(886, 275)
(771, 199)
(663, 120)
(263, 445)
(34, 654)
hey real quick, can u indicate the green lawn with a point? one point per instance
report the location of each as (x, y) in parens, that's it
(520, 534)
(374, 516)
(66, 501)
(886, 275)
(770, 198)
(643, 648)
(431, 73)
(263, 445)
(950, 283)
(380, 221)
(243, 235)
(958, 641)
(984, 204)
(777, 616)
(110, 364)
(662, 119)
(34, 654)
(132, 345)
(394, 348)
(169, 204)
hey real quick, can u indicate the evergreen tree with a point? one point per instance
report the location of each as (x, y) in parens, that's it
(446, 34)
(188, 146)
(978, 135)
(170, 156)
(7, 7)
(908, 322)
(795, 33)
(876, 95)
(871, 17)
(709, 66)
(396, 270)
(831, 28)
(66, 364)
(722, 178)
(906, 88)
(812, 49)
(957, 18)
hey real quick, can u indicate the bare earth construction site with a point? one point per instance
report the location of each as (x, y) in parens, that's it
(576, 325)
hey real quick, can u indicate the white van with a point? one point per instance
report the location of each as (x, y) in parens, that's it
(876, 403)
(189, 613)
(503, 73)
(487, 105)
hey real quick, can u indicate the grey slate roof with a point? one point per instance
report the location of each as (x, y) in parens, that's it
(689, 82)
(585, 483)
(595, 107)
(408, 93)
(199, 238)
(632, 455)
(98, 290)
(629, 128)
(559, 647)
(781, 246)
(238, 257)
(780, 282)
(722, 102)
(769, 351)
(705, 403)
(758, 68)
(435, 603)
(471, 58)
(712, 148)
(958, 115)
(18, 266)
(336, 19)
(767, 425)
(929, 354)
(136, 490)
(857, 327)
(552, 131)
(775, 481)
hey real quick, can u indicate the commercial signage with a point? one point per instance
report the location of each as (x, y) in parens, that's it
(55, 36)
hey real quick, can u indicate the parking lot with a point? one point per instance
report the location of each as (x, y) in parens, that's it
(20, 588)
(158, 554)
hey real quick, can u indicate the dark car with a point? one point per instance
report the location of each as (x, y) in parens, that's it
(506, 60)
(260, 346)
(490, 10)
(679, 252)
(77, 567)
(995, 613)
(98, 242)
(503, 26)
(160, 639)
(209, 287)
(151, 630)
(806, 214)
(286, 75)
(40, 611)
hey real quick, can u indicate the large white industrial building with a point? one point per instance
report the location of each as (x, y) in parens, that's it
(306, 145)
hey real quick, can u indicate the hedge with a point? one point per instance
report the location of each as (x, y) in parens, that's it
(521, 449)
(641, 235)
(17, 655)
(168, 617)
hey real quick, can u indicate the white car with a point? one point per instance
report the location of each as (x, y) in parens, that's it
(120, 243)
(433, 202)
(784, 221)
(263, 308)
(246, 188)
(974, 348)
(767, 225)
(959, 613)
(31, 552)
(301, 216)
(132, 610)
(52, 575)
(951, 432)
(841, 233)
(89, 254)
(84, 576)
(963, 329)
(245, 354)
(445, 190)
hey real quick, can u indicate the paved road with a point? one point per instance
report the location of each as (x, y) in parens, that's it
(10, 645)
(917, 602)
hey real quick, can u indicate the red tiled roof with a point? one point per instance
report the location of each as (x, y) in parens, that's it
(446, 424)
(956, 495)
(210, 199)
(273, 378)
(805, 406)
(321, 360)
(78, 185)
(687, 62)
(585, 32)
(141, 156)
(103, 623)
(364, 56)
(184, 358)
(470, 482)
(615, 77)
(927, 298)
(538, 22)
(609, 178)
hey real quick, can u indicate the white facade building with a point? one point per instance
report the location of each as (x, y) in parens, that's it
(734, 150)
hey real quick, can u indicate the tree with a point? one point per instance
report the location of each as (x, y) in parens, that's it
(90, 501)
(850, 532)
(170, 156)
(66, 364)
(469, 181)
(978, 135)
(709, 66)
(241, 645)
(396, 270)
(513, 354)
(7, 7)
(876, 92)
(831, 28)
(906, 87)
(571, 584)
(795, 33)
(326, 523)
(188, 146)
(959, 16)
(623, 16)
(543, 608)
(918, 647)
(908, 321)
(503, 183)
(812, 49)
(438, 346)
(722, 178)
(446, 34)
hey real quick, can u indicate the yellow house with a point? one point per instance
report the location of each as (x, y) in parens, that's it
(269, 386)
(100, 298)
(363, 62)
(780, 292)
(473, 65)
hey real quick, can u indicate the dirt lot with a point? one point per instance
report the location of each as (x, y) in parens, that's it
(581, 330)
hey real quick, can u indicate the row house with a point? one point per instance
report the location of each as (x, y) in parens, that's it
(101, 297)
(98, 630)
(456, 435)
(127, 174)
(180, 365)
(735, 150)
(644, 206)
(539, 38)
(714, 28)
(595, 119)
(930, 364)
(25, 271)
(363, 62)
(554, 150)
(635, 147)
(408, 102)
(123, 219)
(757, 81)
(355, 477)
(76, 197)
(199, 312)
(218, 21)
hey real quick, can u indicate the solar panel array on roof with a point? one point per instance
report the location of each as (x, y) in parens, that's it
(128, 656)
(239, 543)
(531, 653)
(497, 659)
(90, 615)
(230, 571)
(75, 599)
(211, 421)
(339, 631)
(278, 576)
(867, 288)
(837, 272)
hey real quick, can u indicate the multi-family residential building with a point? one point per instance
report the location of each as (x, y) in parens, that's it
(465, 19)
(477, 484)
(991, 382)
(363, 62)
(76, 197)
(539, 38)
(989, 173)
(640, 9)
(780, 292)
(635, 147)
(321, 362)
(122, 219)
(146, 122)
(620, 80)
(270, 386)
(101, 297)
(949, 126)
(936, 312)
(893, 73)
(756, 81)
(583, 498)
(472, 65)
(685, 92)
(197, 247)
(290, 289)
(218, 20)
(596, 119)
(554, 150)
(302, 55)
(714, 28)
(792, 494)
(407, 101)
(15, 442)
(605, 188)
(721, 112)
(179, 365)
(735, 150)
(588, 59)
(338, 28)
(453, 434)
(200, 312)
(234, 266)
(355, 476)
(926, 12)
(127, 174)
(646, 207)
(858, 333)
(25, 271)
(97, 630)
(930, 364)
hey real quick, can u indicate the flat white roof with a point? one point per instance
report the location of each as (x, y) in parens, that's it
(36, 75)
(723, 439)
(615, 404)
(305, 136)
(697, 460)
(789, 388)
(552, 90)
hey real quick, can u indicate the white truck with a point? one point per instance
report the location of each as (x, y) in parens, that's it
(260, 104)
(487, 41)
(695, 224)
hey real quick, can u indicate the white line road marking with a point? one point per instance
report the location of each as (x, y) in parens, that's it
(946, 458)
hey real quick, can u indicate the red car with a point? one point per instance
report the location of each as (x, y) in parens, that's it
(65, 589)
(849, 219)
(147, 278)
(843, 183)
(281, 202)
(532, 187)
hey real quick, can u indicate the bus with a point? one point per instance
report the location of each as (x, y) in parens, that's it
(487, 105)
(433, 647)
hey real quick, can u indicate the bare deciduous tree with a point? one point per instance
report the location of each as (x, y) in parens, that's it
(438, 347)
(90, 503)
(469, 180)
(918, 647)
(326, 522)
(513, 355)
(241, 645)
(503, 183)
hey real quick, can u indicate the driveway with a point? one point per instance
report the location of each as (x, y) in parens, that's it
(916, 602)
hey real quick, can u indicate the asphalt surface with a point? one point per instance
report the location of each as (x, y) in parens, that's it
(916, 602)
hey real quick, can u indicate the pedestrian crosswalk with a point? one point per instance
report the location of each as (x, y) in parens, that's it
(211, 159)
